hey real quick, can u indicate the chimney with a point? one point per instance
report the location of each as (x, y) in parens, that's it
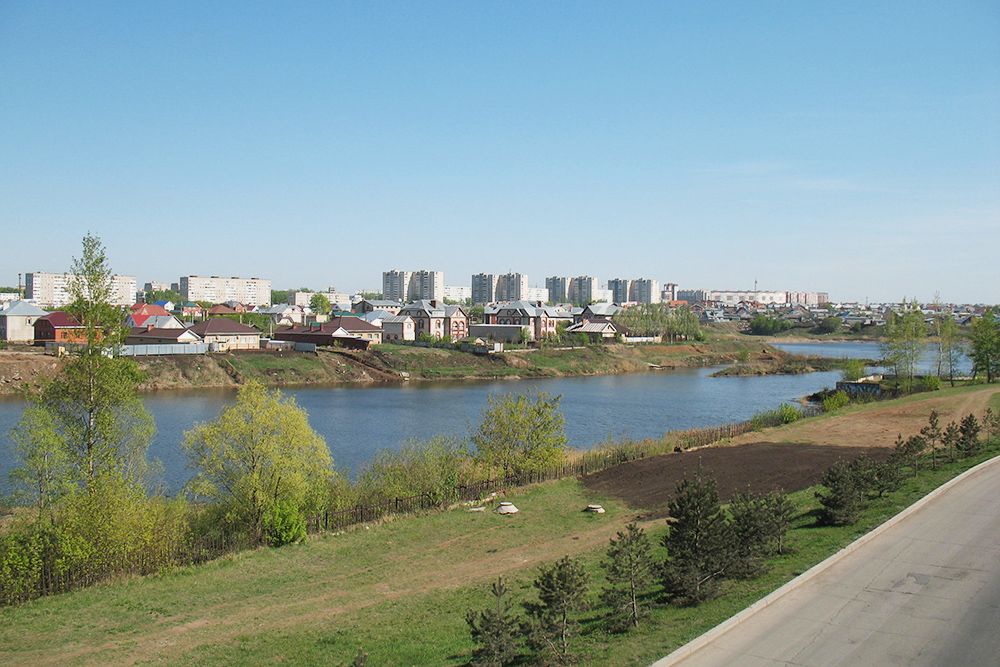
(149, 327)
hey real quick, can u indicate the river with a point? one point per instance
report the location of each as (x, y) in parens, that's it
(357, 421)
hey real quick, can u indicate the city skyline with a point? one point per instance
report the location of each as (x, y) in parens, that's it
(851, 148)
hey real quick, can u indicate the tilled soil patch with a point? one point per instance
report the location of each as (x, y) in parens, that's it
(649, 483)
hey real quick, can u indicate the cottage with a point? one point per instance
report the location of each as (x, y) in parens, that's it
(17, 322)
(59, 327)
(225, 335)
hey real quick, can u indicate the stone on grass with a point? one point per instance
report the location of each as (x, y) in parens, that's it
(507, 508)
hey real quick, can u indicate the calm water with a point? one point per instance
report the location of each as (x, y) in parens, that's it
(358, 421)
(868, 350)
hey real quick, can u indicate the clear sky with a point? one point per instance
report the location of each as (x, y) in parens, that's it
(846, 147)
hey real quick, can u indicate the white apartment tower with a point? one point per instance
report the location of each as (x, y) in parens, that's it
(406, 286)
(52, 290)
(249, 291)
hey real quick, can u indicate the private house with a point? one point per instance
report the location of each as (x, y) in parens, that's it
(59, 327)
(225, 335)
(599, 311)
(151, 335)
(223, 309)
(151, 308)
(17, 322)
(540, 321)
(436, 319)
(158, 321)
(398, 327)
(332, 333)
(285, 314)
(369, 305)
(598, 330)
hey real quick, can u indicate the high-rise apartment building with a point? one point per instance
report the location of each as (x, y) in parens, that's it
(582, 289)
(620, 288)
(484, 288)
(52, 290)
(249, 291)
(404, 286)
(557, 288)
(512, 287)
(644, 290)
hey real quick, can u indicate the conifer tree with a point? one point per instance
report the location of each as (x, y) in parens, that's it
(629, 569)
(494, 630)
(562, 590)
(698, 542)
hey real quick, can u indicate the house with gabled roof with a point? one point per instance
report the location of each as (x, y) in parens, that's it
(133, 320)
(598, 330)
(151, 335)
(540, 321)
(437, 319)
(341, 331)
(17, 322)
(225, 334)
(59, 327)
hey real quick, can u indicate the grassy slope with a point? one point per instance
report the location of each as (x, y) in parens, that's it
(399, 589)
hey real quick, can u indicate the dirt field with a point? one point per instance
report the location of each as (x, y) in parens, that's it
(649, 483)
(792, 458)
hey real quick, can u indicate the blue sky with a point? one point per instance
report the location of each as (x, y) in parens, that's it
(852, 148)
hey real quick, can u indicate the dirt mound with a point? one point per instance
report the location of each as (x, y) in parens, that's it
(649, 483)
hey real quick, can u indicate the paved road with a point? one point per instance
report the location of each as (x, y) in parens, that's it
(925, 592)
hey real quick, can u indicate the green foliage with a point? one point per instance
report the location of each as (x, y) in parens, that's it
(984, 338)
(284, 524)
(520, 433)
(433, 468)
(90, 287)
(260, 451)
(853, 370)
(96, 409)
(653, 319)
(494, 631)
(844, 497)
(968, 441)
(629, 568)
(903, 342)
(949, 346)
(562, 590)
(757, 528)
(830, 325)
(319, 303)
(697, 543)
(44, 474)
(762, 325)
(835, 401)
(163, 295)
(783, 414)
(280, 295)
(929, 383)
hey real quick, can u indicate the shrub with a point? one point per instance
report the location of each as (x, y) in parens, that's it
(284, 524)
(835, 401)
(930, 383)
(854, 370)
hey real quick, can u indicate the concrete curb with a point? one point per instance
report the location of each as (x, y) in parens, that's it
(699, 642)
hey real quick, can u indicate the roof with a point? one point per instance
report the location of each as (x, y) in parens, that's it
(167, 334)
(221, 309)
(159, 321)
(220, 326)
(21, 309)
(149, 309)
(349, 324)
(61, 320)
